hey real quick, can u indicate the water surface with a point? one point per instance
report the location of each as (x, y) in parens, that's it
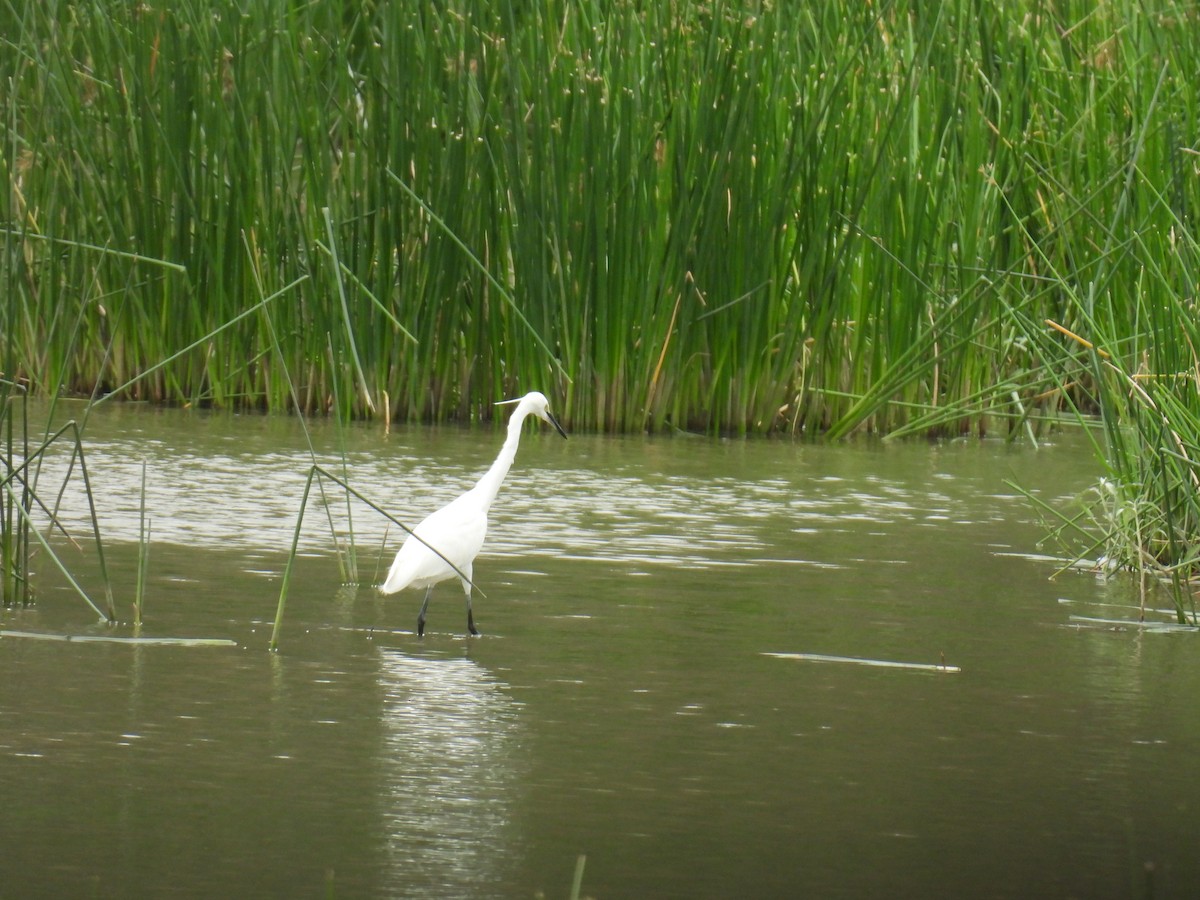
(637, 694)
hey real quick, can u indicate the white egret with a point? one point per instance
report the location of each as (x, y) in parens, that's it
(458, 528)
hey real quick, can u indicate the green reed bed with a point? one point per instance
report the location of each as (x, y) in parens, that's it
(1143, 516)
(721, 216)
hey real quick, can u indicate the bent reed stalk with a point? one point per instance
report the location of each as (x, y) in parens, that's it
(727, 217)
(20, 500)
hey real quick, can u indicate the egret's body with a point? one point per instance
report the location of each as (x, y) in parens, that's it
(457, 529)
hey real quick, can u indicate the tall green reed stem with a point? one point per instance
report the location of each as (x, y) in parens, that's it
(143, 563)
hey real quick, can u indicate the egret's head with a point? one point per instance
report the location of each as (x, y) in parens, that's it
(535, 403)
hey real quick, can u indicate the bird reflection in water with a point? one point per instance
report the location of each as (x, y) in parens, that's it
(451, 770)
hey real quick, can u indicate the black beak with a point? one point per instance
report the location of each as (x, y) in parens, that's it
(553, 421)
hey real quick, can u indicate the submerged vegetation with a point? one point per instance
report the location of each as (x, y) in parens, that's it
(747, 217)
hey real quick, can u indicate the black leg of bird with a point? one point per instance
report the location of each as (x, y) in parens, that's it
(466, 583)
(421, 614)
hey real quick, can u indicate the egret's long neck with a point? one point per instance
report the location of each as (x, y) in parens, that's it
(489, 485)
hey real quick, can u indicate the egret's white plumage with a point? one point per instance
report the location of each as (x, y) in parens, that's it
(457, 529)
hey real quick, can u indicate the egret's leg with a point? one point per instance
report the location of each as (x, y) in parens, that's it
(470, 616)
(421, 614)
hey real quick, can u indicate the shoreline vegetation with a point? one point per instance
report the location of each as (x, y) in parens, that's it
(726, 217)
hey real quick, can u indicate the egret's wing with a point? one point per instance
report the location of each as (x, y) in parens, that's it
(457, 531)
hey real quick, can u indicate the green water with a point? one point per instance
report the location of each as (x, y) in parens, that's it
(637, 696)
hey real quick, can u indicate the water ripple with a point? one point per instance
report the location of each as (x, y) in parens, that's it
(720, 507)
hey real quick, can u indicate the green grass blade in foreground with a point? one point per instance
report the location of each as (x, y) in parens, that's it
(347, 556)
(30, 497)
(58, 563)
(143, 561)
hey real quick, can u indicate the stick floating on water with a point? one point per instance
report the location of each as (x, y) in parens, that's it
(114, 639)
(885, 663)
(1085, 621)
